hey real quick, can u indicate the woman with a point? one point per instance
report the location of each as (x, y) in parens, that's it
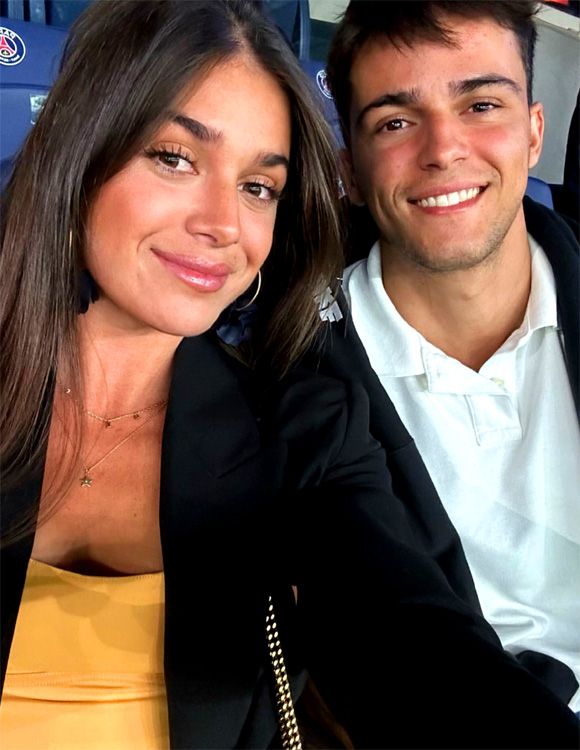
(161, 495)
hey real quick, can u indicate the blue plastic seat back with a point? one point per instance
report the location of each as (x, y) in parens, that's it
(539, 191)
(29, 59)
(63, 12)
(292, 17)
(317, 73)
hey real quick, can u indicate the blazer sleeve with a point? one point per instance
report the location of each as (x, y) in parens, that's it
(400, 659)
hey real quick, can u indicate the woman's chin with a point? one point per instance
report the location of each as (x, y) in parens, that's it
(170, 320)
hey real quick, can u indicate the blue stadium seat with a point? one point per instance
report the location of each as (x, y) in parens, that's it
(292, 17)
(317, 73)
(29, 59)
(539, 191)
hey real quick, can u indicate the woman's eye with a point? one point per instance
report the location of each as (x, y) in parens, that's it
(260, 191)
(171, 160)
(174, 162)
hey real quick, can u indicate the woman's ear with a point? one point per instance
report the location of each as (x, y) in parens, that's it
(349, 178)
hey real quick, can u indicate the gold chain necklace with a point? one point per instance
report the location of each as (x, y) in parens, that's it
(135, 414)
(107, 421)
(87, 480)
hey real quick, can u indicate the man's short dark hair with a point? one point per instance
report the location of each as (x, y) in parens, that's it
(408, 21)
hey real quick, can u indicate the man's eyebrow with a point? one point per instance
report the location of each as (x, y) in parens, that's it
(197, 129)
(412, 96)
(396, 99)
(472, 84)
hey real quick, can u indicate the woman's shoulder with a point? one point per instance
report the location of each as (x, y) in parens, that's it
(322, 418)
(324, 421)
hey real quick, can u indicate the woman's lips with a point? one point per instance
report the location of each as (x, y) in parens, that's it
(198, 273)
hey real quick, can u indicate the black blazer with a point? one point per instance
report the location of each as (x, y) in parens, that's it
(271, 486)
(343, 355)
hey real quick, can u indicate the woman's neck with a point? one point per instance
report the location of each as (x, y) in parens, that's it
(123, 368)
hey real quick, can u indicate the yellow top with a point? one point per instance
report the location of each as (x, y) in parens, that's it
(86, 664)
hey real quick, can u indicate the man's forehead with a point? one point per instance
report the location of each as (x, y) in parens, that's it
(382, 61)
(457, 32)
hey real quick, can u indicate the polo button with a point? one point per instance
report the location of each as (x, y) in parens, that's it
(498, 381)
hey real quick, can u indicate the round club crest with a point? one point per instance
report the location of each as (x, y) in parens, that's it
(322, 82)
(12, 48)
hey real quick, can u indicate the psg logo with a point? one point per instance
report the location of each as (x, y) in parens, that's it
(323, 83)
(12, 48)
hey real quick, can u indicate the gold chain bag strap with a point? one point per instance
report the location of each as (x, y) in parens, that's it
(286, 715)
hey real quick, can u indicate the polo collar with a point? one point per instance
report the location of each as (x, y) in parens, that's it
(393, 346)
(401, 351)
(542, 309)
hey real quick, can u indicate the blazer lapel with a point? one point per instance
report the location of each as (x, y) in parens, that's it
(207, 408)
(217, 482)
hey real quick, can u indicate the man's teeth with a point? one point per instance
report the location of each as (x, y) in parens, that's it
(449, 199)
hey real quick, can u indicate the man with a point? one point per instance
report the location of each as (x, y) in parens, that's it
(468, 304)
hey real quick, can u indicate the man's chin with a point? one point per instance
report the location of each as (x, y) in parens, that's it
(450, 259)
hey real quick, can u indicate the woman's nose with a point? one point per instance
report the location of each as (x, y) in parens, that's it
(215, 216)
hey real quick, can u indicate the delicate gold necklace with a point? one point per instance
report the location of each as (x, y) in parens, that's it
(87, 480)
(135, 414)
(107, 421)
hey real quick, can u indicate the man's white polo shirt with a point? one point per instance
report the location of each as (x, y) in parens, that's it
(502, 446)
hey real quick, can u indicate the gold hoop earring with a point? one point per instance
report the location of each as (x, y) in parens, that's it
(243, 307)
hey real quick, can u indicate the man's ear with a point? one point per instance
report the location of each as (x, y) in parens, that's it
(349, 178)
(536, 133)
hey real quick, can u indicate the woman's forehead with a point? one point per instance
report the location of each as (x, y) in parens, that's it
(234, 95)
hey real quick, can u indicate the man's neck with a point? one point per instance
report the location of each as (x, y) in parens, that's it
(468, 313)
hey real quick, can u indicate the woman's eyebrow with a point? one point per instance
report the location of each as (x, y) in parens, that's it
(210, 135)
(197, 129)
(271, 159)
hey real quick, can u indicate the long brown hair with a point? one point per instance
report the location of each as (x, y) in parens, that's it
(124, 65)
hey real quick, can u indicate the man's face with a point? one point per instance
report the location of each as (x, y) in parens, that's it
(442, 139)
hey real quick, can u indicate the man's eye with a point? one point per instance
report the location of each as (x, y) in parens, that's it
(396, 124)
(483, 106)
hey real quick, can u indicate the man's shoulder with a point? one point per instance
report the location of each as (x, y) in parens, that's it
(551, 229)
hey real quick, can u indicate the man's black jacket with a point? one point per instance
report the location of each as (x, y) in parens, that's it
(344, 356)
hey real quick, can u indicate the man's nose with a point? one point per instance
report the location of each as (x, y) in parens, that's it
(445, 142)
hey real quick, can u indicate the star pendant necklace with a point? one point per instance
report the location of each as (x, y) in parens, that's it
(87, 480)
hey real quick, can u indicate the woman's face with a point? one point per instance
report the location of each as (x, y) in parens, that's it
(183, 229)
